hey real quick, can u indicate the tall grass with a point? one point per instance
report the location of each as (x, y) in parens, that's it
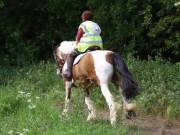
(31, 102)
(32, 98)
(159, 86)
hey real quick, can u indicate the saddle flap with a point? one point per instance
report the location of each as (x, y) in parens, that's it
(78, 58)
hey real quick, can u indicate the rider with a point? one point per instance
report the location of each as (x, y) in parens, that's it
(87, 38)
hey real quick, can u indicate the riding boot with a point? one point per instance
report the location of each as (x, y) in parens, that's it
(68, 71)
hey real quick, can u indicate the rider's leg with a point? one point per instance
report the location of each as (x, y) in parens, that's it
(67, 69)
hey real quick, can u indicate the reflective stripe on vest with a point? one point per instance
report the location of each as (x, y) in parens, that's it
(85, 35)
(89, 39)
(82, 47)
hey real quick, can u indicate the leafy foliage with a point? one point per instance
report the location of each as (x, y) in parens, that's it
(32, 98)
(28, 29)
(159, 86)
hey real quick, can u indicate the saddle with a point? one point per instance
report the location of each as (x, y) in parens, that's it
(90, 49)
(78, 58)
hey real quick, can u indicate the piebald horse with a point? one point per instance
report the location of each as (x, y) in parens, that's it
(98, 68)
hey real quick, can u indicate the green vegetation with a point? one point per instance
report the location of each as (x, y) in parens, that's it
(28, 29)
(32, 97)
(31, 102)
(159, 86)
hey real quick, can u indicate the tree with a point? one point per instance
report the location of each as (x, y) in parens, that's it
(29, 28)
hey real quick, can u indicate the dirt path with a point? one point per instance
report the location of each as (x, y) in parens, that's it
(148, 125)
(157, 126)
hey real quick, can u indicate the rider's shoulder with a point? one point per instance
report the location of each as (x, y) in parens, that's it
(87, 22)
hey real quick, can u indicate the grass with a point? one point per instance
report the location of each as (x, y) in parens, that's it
(32, 98)
(159, 83)
(31, 102)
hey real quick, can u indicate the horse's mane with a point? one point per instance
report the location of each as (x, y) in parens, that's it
(67, 46)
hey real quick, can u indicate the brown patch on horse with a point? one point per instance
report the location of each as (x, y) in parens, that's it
(109, 57)
(84, 72)
(115, 78)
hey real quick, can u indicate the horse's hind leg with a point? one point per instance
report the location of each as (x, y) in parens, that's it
(90, 105)
(129, 108)
(110, 101)
(68, 85)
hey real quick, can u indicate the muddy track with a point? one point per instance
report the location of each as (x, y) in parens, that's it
(148, 125)
(157, 126)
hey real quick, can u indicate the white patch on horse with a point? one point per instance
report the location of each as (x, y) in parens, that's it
(58, 71)
(66, 106)
(108, 96)
(91, 108)
(68, 84)
(67, 99)
(77, 59)
(67, 46)
(110, 101)
(59, 53)
(104, 74)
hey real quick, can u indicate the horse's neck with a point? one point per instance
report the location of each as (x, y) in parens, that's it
(67, 46)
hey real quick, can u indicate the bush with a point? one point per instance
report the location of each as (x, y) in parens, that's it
(159, 86)
(29, 29)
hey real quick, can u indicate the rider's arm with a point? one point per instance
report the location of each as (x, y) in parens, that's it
(79, 35)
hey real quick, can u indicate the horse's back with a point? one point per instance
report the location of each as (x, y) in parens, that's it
(95, 65)
(85, 67)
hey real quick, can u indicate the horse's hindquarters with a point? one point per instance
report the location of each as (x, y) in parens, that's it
(103, 66)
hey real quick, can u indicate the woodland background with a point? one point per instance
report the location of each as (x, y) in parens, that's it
(145, 32)
(29, 29)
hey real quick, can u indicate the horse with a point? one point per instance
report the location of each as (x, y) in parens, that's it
(98, 68)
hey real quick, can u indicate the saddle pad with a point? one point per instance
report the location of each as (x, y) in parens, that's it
(78, 58)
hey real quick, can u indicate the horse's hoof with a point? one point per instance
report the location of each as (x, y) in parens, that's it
(65, 113)
(130, 114)
(113, 121)
(91, 117)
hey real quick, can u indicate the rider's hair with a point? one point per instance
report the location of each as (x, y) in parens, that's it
(86, 15)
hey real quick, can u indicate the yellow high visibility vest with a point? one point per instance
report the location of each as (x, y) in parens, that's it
(91, 36)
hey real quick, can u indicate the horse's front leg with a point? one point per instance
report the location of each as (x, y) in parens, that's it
(90, 105)
(68, 85)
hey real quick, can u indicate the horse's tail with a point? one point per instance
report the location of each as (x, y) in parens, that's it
(128, 85)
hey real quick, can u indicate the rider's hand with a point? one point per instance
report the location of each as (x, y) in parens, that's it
(77, 43)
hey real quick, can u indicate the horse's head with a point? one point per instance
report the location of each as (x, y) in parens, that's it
(60, 53)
